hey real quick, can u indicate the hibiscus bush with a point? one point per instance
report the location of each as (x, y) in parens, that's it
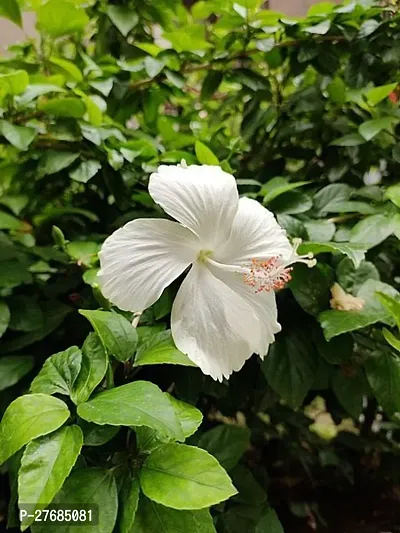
(141, 113)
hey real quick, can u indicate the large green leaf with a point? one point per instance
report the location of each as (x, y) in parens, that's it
(311, 288)
(205, 155)
(189, 417)
(8, 221)
(392, 305)
(10, 10)
(371, 128)
(124, 18)
(377, 94)
(19, 136)
(13, 368)
(69, 107)
(337, 322)
(154, 518)
(184, 477)
(87, 487)
(54, 161)
(86, 171)
(14, 83)
(291, 366)
(59, 372)
(351, 278)
(45, 465)
(350, 391)
(372, 230)
(136, 404)
(27, 418)
(93, 369)
(161, 349)
(227, 443)
(355, 252)
(60, 17)
(117, 334)
(383, 374)
(277, 186)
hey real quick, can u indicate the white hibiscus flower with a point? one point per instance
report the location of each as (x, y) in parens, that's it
(225, 309)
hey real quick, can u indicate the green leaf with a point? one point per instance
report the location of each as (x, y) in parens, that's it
(372, 230)
(368, 27)
(189, 417)
(83, 252)
(371, 128)
(160, 349)
(33, 91)
(337, 322)
(350, 391)
(10, 10)
(128, 504)
(291, 203)
(351, 278)
(94, 435)
(53, 162)
(391, 339)
(52, 319)
(68, 69)
(14, 273)
(45, 465)
(337, 90)
(319, 29)
(87, 486)
(354, 251)
(383, 374)
(27, 418)
(277, 186)
(59, 17)
(136, 404)
(352, 139)
(69, 107)
(13, 368)
(291, 366)
(205, 155)
(184, 477)
(335, 192)
(226, 443)
(392, 306)
(311, 288)
(93, 369)
(320, 230)
(59, 373)
(4, 317)
(148, 439)
(19, 136)
(26, 314)
(269, 523)
(117, 334)
(393, 194)
(15, 82)
(377, 94)
(124, 18)
(8, 221)
(154, 518)
(210, 84)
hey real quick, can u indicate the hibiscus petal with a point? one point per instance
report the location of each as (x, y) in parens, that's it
(263, 304)
(255, 235)
(212, 324)
(141, 259)
(202, 198)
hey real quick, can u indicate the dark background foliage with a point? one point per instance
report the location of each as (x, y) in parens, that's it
(305, 114)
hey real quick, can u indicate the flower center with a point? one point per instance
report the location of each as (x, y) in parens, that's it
(274, 273)
(204, 255)
(267, 275)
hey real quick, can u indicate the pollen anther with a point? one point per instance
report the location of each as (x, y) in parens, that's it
(267, 275)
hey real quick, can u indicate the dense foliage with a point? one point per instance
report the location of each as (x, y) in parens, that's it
(305, 114)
